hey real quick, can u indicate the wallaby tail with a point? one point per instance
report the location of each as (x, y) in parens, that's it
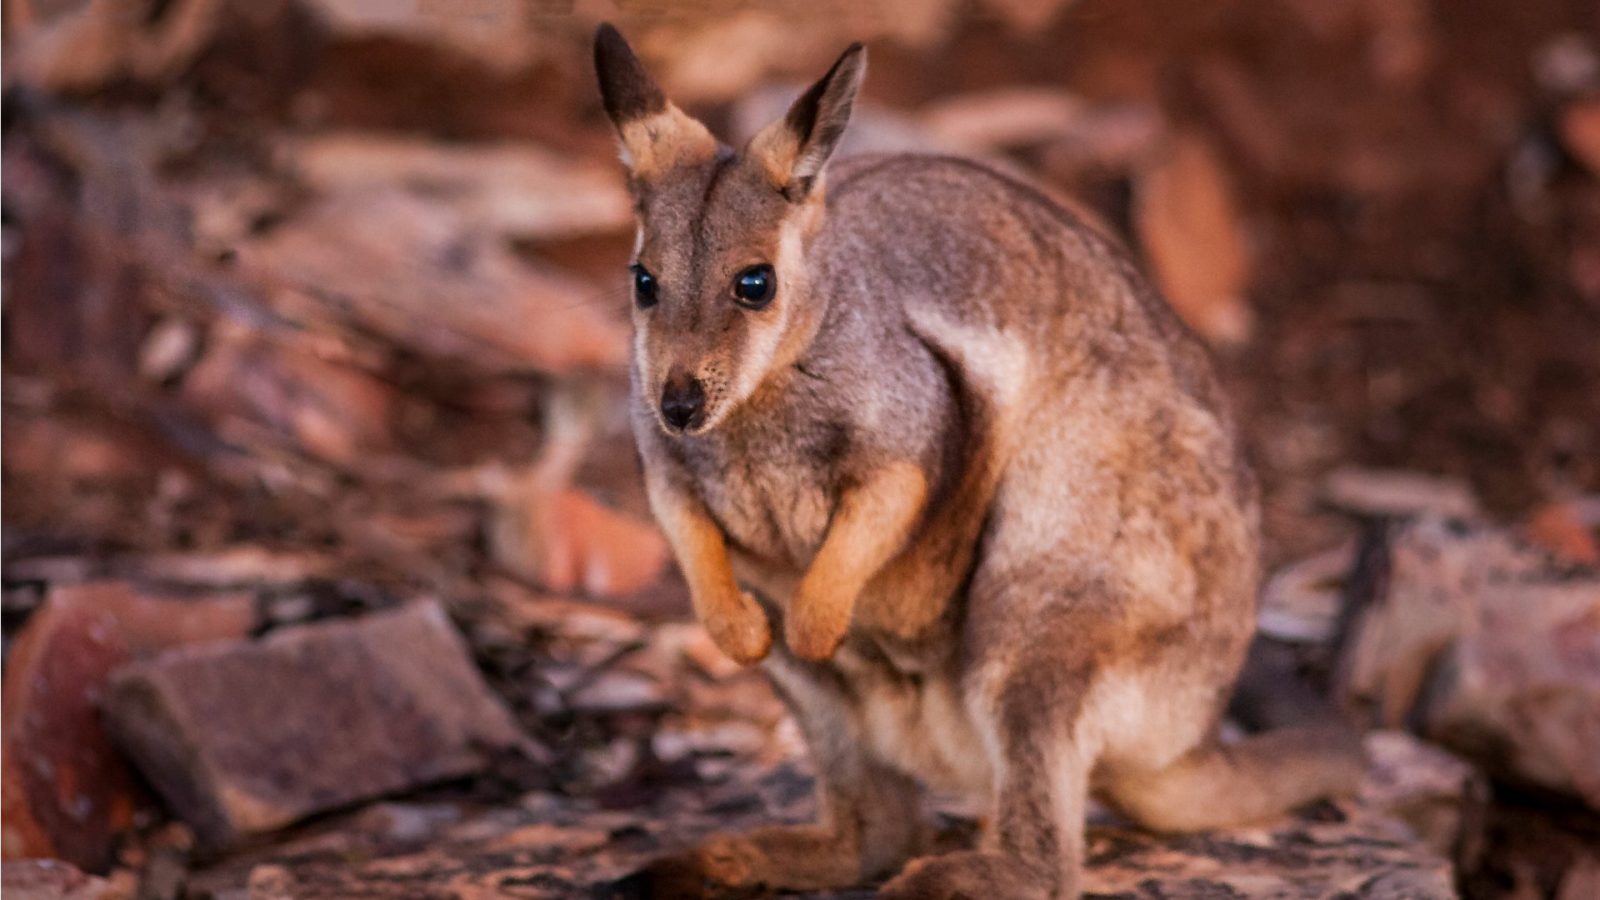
(1302, 751)
(1264, 775)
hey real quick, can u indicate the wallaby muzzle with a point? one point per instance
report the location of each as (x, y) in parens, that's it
(683, 401)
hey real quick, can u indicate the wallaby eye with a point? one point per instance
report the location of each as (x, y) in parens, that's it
(754, 287)
(644, 287)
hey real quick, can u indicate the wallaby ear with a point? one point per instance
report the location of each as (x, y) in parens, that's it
(793, 149)
(655, 134)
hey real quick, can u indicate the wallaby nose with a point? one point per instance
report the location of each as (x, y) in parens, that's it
(682, 400)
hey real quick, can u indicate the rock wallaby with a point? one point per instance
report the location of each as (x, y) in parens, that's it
(932, 451)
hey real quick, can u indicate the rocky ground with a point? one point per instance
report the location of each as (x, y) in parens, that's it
(327, 571)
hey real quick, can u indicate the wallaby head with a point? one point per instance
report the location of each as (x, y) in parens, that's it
(721, 296)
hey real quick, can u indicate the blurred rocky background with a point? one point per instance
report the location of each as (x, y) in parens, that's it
(327, 571)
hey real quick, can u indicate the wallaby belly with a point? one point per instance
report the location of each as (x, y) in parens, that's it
(919, 723)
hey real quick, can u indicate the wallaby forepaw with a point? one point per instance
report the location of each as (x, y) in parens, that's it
(742, 631)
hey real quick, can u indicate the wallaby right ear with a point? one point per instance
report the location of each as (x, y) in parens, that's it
(656, 135)
(794, 149)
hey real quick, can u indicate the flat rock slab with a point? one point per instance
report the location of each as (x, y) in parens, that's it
(1333, 851)
(1351, 855)
(548, 846)
(246, 737)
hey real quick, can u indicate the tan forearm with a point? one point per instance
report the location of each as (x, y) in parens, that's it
(870, 527)
(735, 622)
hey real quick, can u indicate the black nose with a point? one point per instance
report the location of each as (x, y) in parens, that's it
(682, 401)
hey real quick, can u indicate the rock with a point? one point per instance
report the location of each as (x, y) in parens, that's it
(335, 412)
(1581, 881)
(1344, 851)
(383, 259)
(82, 46)
(169, 349)
(534, 861)
(1567, 63)
(150, 623)
(617, 691)
(497, 34)
(1300, 603)
(1487, 648)
(548, 846)
(1442, 797)
(1005, 117)
(711, 59)
(1521, 690)
(1189, 225)
(240, 564)
(1354, 852)
(67, 792)
(518, 190)
(246, 737)
(1580, 133)
(1026, 16)
(52, 879)
(874, 128)
(1394, 493)
(1111, 138)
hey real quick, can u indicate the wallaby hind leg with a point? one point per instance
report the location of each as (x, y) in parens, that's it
(870, 823)
(1033, 849)
(1032, 711)
(1218, 786)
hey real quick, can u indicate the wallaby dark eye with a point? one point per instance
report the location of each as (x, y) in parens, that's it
(644, 287)
(755, 286)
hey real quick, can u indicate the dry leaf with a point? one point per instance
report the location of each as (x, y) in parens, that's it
(568, 542)
(1190, 227)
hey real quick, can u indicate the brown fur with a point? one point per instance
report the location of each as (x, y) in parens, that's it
(977, 476)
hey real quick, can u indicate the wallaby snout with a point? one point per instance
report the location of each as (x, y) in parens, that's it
(683, 401)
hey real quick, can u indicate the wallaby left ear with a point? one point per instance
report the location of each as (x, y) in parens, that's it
(794, 149)
(655, 134)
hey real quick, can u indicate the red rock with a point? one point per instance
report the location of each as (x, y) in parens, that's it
(67, 792)
(1581, 881)
(1005, 117)
(519, 190)
(380, 251)
(81, 47)
(1397, 493)
(336, 412)
(150, 623)
(245, 737)
(1026, 16)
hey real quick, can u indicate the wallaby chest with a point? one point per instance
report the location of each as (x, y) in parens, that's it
(772, 485)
